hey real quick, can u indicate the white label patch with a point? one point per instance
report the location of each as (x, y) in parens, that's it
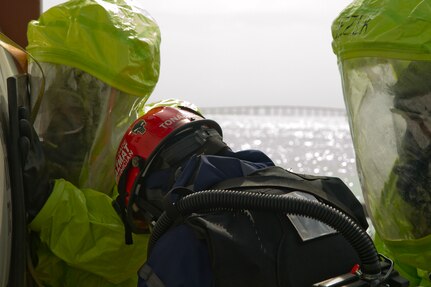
(308, 228)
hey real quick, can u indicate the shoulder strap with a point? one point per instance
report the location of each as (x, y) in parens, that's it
(203, 140)
(330, 190)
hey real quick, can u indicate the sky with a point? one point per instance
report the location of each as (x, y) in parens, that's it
(247, 52)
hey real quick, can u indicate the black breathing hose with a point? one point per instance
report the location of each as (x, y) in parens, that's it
(226, 199)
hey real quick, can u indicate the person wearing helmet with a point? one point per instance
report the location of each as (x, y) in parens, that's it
(156, 146)
(154, 152)
(171, 149)
(93, 91)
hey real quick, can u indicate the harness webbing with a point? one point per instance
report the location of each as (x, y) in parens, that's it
(209, 140)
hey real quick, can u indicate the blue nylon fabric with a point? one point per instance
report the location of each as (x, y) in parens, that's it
(212, 169)
(180, 259)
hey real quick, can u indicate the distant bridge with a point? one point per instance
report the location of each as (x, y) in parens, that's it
(275, 110)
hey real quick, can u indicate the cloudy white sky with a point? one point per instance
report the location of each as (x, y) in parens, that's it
(247, 52)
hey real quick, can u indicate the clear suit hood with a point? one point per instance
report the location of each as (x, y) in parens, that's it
(384, 56)
(101, 62)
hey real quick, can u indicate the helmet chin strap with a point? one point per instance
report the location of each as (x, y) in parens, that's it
(120, 204)
(125, 211)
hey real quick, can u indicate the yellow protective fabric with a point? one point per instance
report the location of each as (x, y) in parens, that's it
(384, 56)
(172, 102)
(116, 41)
(82, 241)
(82, 236)
(100, 60)
(404, 259)
(397, 29)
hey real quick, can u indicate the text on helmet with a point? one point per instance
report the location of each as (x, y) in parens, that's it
(171, 121)
(123, 157)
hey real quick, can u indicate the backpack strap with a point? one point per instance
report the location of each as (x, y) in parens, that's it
(203, 140)
(331, 190)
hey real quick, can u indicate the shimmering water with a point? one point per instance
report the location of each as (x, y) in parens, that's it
(305, 140)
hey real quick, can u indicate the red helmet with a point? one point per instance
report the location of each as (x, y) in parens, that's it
(149, 135)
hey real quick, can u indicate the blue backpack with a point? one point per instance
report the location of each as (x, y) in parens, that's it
(207, 236)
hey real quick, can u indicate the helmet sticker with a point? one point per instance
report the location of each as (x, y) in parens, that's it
(139, 127)
(123, 157)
